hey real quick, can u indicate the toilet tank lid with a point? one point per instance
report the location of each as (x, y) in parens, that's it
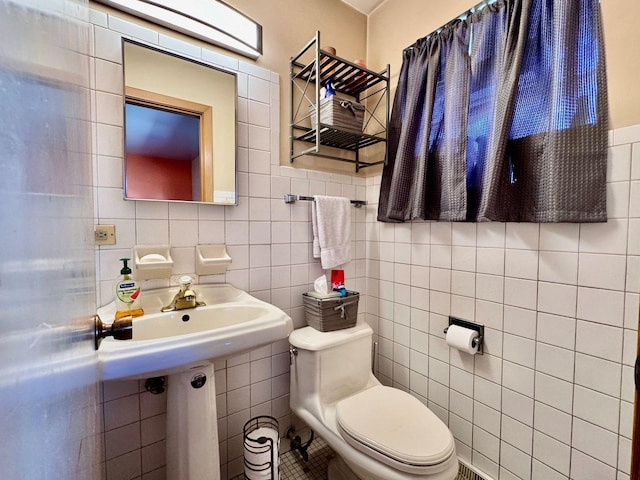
(308, 338)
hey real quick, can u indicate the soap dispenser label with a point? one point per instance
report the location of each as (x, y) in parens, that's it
(127, 291)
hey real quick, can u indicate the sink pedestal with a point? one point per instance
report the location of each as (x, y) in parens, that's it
(192, 425)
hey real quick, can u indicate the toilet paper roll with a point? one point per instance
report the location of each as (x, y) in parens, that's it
(462, 339)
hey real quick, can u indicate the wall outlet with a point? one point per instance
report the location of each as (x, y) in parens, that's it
(105, 234)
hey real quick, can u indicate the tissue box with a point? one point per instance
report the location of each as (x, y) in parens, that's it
(329, 314)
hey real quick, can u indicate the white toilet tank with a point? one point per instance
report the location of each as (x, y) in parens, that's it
(329, 366)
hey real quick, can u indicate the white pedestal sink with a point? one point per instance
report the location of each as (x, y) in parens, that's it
(182, 344)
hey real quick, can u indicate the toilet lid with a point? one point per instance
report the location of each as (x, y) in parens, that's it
(396, 427)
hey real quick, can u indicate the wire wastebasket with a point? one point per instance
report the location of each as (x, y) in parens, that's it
(261, 440)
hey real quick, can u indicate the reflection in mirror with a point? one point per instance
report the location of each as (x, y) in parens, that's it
(163, 152)
(180, 128)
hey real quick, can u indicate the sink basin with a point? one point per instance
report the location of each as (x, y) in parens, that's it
(232, 322)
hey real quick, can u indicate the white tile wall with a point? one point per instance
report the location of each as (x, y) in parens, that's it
(269, 241)
(552, 397)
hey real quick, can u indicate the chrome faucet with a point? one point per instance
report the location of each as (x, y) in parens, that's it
(185, 298)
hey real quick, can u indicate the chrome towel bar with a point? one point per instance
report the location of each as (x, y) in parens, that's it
(288, 198)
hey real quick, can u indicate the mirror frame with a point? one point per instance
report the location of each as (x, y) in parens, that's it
(155, 100)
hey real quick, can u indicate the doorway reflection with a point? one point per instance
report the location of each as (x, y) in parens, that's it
(163, 154)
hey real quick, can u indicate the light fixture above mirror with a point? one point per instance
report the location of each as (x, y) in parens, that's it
(213, 21)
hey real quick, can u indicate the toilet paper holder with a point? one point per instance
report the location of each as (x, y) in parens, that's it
(478, 327)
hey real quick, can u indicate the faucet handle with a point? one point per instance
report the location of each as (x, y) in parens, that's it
(185, 281)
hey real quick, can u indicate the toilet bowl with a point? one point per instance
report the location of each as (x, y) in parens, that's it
(378, 432)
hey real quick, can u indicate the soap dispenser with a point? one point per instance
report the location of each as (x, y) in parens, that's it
(127, 294)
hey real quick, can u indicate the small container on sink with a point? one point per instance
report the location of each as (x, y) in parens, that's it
(212, 259)
(152, 261)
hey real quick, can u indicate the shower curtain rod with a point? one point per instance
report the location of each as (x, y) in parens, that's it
(462, 16)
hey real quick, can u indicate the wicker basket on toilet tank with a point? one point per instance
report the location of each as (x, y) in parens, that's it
(329, 314)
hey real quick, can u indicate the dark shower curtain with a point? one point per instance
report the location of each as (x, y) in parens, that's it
(502, 117)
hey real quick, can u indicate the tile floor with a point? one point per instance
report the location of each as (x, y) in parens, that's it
(292, 467)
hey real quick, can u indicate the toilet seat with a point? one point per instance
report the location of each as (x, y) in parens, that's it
(395, 428)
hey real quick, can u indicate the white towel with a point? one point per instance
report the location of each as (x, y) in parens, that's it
(331, 222)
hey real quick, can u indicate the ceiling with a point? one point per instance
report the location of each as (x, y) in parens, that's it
(364, 6)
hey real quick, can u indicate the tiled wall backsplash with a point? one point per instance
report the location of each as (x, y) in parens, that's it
(551, 399)
(268, 240)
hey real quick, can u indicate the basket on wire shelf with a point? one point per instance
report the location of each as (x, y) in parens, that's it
(339, 112)
(333, 313)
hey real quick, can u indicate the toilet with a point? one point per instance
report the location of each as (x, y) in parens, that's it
(377, 432)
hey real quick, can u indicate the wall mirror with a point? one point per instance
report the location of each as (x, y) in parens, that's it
(180, 128)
